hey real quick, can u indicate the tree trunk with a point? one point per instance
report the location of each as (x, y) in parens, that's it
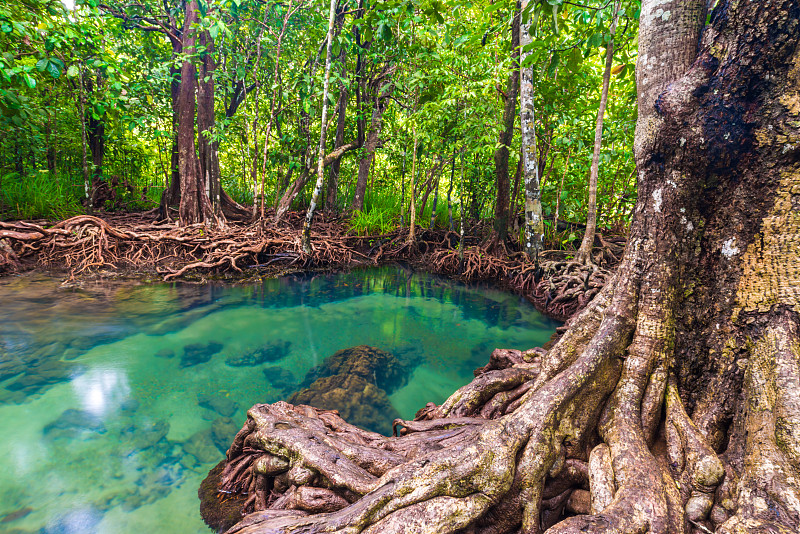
(435, 200)
(84, 161)
(370, 145)
(95, 133)
(97, 145)
(50, 141)
(208, 146)
(534, 225)
(450, 190)
(506, 136)
(670, 405)
(584, 254)
(433, 179)
(300, 182)
(403, 190)
(172, 193)
(412, 210)
(306, 240)
(190, 209)
(558, 193)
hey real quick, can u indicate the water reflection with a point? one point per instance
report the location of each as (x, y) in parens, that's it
(102, 390)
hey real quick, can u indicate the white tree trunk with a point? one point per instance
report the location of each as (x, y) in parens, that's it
(534, 226)
(322, 131)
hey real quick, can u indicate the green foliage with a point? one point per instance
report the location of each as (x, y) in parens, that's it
(39, 196)
(372, 221)
(447, 64)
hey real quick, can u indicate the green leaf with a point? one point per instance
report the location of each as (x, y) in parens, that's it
(385, 32)
(29, 80)
(41, 64)
(554, 62)
(72, 71)
(574, 60)
(595, 40)
(54, 69)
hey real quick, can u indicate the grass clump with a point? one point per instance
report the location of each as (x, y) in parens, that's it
(38, 196)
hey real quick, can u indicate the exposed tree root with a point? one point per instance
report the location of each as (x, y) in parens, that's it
(517, 448)
(86, 244)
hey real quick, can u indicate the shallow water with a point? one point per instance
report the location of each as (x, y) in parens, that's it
(116, 399)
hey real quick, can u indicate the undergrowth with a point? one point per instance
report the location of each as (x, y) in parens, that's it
(39, 196)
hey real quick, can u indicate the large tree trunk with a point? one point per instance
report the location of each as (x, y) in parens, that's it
(208, 146)
(670, 405)
(506, 136)
(190, 210)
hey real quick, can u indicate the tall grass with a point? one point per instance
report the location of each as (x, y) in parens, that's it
(39, 196)
(382, 214)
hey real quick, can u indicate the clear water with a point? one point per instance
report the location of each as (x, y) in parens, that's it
(108, 427)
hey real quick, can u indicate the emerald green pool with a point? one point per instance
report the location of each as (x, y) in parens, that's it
(117, 398)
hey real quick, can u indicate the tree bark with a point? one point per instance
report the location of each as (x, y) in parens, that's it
(534, 225)
(300, 182)
(584, 254)
(192, 209)
(412, 209)
(670, 404)
(207, 145)
(371, 144)
(85, 164)
(506, 136)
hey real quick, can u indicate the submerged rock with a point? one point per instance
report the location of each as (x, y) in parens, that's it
(355, 382)
(377, 366)
(165, 353)
(149, 488)
(222, 405)
(358, 401)
(197, 353)
(44, 375)
(281, 379)
(201, 446)
(72, 424)
(223, 429)
(145, 436)
(16, 514)
(271, 352)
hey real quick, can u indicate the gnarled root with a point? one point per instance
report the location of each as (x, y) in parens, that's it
(591, 436)
(453, 466)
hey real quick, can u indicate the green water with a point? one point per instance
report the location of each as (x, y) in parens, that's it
(116, 399)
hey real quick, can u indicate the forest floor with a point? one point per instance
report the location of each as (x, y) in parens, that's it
(135, 246)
